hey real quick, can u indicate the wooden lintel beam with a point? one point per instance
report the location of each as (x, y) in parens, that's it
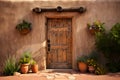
(59, 9)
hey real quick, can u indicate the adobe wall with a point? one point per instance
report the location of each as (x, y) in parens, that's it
(12, 13)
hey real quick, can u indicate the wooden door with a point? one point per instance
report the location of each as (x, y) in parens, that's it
(59, 43)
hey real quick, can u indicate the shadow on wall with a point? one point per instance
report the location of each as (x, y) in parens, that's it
(37, 52)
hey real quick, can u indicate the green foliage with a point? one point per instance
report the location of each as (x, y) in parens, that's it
(113, 66)
(109, 44)
(82, 59)
(110, 40)
(26, 58)
(97, 26)
(115, 37)
(100, 70)
(11, 66)
(91, 62)
(24, 25)
(103, 42)
(115, 32)
(93, 55)
(92, 59)
(33, 62)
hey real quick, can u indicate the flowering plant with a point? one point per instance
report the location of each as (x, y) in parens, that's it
(92, 62)
(99, 70)
(97, 26)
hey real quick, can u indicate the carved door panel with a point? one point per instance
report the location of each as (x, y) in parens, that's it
(59, 43)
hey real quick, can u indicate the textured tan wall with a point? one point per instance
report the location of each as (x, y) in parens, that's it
(12, 13)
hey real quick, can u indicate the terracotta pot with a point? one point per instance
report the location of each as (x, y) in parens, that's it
(93, 31)
(82, 66)
(24, 31)
(91, 69)
(34, 68)
(24, 68)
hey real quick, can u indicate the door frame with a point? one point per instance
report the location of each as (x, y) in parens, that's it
(71, 36)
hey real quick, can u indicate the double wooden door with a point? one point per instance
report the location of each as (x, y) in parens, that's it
(59, 43)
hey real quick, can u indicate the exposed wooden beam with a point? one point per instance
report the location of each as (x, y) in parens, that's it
(59, 9)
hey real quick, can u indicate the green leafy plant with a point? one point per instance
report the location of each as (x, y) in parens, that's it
(97, 26)
(26, 58)
(115, 37)
(115, 31)
(34, 66)
(94, 55)
(109, 44)
(100, 70)
(93, 58)
(103, 42)
(82, 59)
(113, 66)
(33, 62)
(24, 25)
(10, 66)
(91, 62)
(111, 40)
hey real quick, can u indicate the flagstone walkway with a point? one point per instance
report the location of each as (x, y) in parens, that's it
(61, 76)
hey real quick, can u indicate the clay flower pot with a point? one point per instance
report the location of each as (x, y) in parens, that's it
(24, 68)
(34, 68)
(24, 27)
(91, 69)
(82, 67)
(25, 31)
(92, 31)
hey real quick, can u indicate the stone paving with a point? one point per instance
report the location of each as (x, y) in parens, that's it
(61, 76)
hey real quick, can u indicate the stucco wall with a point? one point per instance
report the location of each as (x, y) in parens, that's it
(13, 12)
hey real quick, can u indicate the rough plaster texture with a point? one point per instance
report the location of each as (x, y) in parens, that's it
(13, 12)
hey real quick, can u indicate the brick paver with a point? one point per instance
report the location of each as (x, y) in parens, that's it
(61, 76)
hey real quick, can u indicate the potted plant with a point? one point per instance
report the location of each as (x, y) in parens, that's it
(97, 26)
(24, 27)
(91, 65)
(82, 63)
(34, 66)
(92, 61)
(24, 62)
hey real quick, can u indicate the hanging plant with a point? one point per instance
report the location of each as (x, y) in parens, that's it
(24, 27)
(97, 26)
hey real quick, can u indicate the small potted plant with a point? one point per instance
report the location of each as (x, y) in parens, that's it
(24, 27)
(92, 61)
(24, 62)
(92, 64)
(82, 63)
(97, 26)
(34, 66)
